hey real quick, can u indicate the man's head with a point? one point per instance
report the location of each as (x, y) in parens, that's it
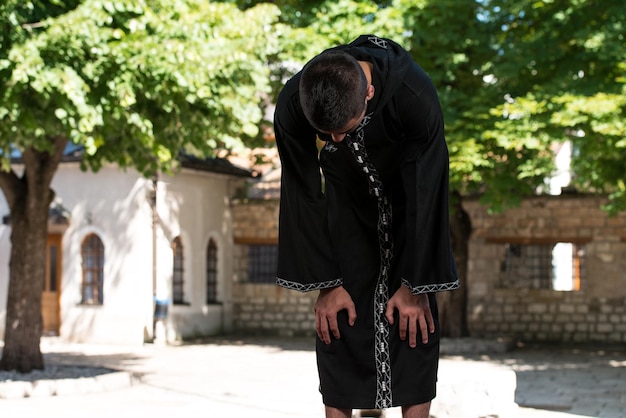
(333, 91)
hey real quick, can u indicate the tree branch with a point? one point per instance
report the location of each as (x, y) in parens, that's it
(9, 183)
(40, 167)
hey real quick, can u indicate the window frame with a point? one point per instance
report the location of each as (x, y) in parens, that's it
(261, 269)
(178, 271)
(578, 268)
(97, 255)
(212, 279)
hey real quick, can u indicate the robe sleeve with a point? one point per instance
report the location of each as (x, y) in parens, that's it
(428, 263)
(305, 256)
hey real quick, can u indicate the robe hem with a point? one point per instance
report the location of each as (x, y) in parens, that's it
(431, 288)
(343, 402)
(307, 287)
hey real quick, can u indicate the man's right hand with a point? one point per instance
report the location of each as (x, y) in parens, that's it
(329, 302)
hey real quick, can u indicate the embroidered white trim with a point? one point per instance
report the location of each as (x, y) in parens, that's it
(429, 288)
(330, 147)
(309, 286)
(378, 41)
(356, 144)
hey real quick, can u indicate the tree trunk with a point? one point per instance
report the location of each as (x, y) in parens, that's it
(453, 305)
(26, 277)
(29, 199)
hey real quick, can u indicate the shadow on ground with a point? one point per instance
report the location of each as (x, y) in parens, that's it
(586, 380)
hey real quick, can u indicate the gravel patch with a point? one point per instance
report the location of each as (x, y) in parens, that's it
(54, 372)
(58, 380)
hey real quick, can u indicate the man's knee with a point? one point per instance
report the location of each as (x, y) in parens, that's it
(373, 413)
(332, 412)
(416, 411)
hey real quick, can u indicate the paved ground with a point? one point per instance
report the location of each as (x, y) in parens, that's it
(277, 378)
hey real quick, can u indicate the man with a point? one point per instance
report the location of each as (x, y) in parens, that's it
(374, 238)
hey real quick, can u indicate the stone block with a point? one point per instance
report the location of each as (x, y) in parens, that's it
(42, 388)
(582, 309)
(13, 390)
(533, 327)
(604, 328)
(68, 386)
(537, 308)
(583, 327)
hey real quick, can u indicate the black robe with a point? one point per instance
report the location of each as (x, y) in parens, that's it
(378, 221)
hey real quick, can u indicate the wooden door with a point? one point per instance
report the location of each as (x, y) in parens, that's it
(50, 306)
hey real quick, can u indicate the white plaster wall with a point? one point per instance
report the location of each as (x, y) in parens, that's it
(5, 245)
(196, 206)
(114, 204)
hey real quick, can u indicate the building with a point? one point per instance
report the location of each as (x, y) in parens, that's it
(552, 269)
(119, 244)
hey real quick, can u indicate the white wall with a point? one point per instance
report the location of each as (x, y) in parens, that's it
(114, 204)
(196, 207)
(5, 232)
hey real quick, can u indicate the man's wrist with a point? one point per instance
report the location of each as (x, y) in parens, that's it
(327, 290)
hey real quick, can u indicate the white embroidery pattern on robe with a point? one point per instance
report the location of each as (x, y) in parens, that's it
(379, 42)
(330, 147)
(381, 296)
(308, 287)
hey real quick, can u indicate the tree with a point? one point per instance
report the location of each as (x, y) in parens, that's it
(562, 67)
(135, 83)
(449, 56)
(450, 41)
(514, 77)
(546, 72)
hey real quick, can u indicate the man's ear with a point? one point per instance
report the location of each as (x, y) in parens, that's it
(370, 92)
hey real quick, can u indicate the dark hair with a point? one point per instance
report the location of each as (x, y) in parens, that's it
(333, 87)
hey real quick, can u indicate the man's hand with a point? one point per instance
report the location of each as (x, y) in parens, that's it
(329, 302)
(413, 310)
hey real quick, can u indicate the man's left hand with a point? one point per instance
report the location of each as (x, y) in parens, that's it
(413, 310)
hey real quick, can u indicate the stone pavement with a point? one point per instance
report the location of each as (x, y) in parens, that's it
(276, 378)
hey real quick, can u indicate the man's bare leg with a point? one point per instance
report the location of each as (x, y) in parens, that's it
(338, 413)
(416, 411)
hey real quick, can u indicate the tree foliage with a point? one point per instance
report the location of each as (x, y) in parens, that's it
(134, 83)
(137, 81)
(514, 78)
(561, 67)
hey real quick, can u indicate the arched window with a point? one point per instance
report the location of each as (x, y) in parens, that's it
(92, 251)
(211, 272)
(178, 279)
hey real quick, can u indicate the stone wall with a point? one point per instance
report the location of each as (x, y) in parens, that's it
(596, 312)
(264, 308)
